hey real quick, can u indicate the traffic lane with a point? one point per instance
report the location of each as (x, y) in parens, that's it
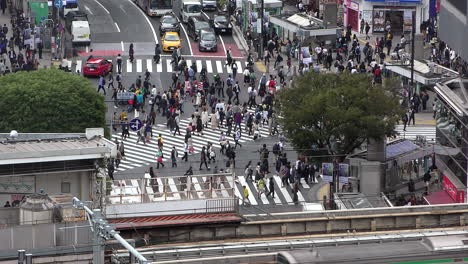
(185, 49)
(131, 21)
(99, 20)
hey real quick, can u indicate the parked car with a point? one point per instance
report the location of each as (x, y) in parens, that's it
(171, 41)
(221, 24)
(169, 23)
(97, 67)
(74, 16)
(195, 24)
(208, 40)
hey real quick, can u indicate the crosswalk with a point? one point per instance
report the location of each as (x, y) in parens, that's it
(137, 155)
(130, 190)
(140, 65)
(413, 131)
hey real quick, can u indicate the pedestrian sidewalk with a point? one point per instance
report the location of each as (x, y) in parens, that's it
(45, 62)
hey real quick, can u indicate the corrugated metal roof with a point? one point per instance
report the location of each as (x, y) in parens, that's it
(169, 220)
(48, 145)
(399, 148)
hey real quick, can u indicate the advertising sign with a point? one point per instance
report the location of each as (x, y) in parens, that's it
(457, 195)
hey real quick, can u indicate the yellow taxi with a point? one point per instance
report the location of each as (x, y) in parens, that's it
(171, 41)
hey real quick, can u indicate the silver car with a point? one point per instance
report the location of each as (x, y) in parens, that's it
(207, 40)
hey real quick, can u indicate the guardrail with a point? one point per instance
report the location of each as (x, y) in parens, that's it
(162, 189)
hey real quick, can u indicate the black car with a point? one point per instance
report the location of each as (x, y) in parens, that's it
(169, 23)
(195, 24)
(207, 41)
(74, 16)
(221, 24)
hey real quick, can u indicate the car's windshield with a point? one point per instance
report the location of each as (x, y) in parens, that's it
(220, 19)
(160, 3)
(201, 25)
(208, 36)
(71, 5)
(92, 65)
(193, 8)
(169, 20)
(172, 37)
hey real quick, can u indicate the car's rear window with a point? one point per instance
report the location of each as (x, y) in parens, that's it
(172, 37)
(92, 65)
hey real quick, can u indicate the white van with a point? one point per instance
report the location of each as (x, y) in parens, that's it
(189, 8)
(81, 33)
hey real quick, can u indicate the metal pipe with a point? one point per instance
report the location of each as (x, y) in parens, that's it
(28, 258)
(132, 250)
(21, 256)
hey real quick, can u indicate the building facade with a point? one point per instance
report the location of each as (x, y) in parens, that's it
(380, 13)
(453, 27)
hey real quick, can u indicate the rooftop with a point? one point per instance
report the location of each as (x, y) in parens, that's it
(44, 147)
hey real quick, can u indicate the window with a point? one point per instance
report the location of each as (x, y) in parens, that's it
(169, 20)
(172, 38)
(193, 8)
(65, 187)
(208, 37)
(220, 19)
(201, 25)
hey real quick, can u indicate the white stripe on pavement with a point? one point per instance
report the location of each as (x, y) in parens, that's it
(219, 67)
(169, 66)
(284, 191)
(139, 65)
(149, 65)
(129, 66)
(209, 67)
(199, 65)
(251, 194)
(159, 66)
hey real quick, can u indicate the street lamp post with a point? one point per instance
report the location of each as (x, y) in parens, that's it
(262, 36)
(413, 29)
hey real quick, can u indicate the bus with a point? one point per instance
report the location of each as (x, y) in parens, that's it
(155, 7)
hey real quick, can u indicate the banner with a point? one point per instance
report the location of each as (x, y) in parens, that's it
(39, 10)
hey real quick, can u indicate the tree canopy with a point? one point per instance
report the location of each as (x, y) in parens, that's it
(337, 113)
(49, 101)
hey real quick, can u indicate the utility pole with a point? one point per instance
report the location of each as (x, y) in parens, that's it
(413, 29)
(103, 231)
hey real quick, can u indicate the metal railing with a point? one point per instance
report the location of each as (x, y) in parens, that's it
(162, 189)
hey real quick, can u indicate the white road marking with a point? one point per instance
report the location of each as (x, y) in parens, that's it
(117, 26)
(107, 11)
(186, 35)
(121, 43)
(228, 68)
(139, 66)
(169, 66)
(222, 43)
(189, 64)
(209, 67)
(129, 66)
(219, 67)
(149, 65)
(283, 190)
(78, 66)
(159, 66)
(147, 20)
(199, 65)
(87, 49)
(239, 67)
(88, 9)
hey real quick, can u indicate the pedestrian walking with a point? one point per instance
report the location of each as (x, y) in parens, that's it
(111, 81)
(159, 158)
(237, 137)
(174, 156)
(101, 84)
(153, 180)
(203, 159)
(186, 151)
(271, 187)
(245, 198)
(119, 63)
(260, 187)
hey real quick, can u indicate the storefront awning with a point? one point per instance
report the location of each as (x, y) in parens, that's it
(440, 197)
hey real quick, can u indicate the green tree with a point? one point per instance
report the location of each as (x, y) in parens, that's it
(336, 113)
(49, 101)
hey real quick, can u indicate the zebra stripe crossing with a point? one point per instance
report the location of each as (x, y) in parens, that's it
(141, 154)
(129, 191)
(164, 65)
(413, 131)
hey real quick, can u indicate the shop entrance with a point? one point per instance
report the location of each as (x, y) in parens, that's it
(395, 18)
(353, 19)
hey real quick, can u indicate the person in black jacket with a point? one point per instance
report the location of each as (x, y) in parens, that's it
(271, 187)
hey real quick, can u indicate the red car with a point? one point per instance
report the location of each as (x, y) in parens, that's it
(97, 67)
